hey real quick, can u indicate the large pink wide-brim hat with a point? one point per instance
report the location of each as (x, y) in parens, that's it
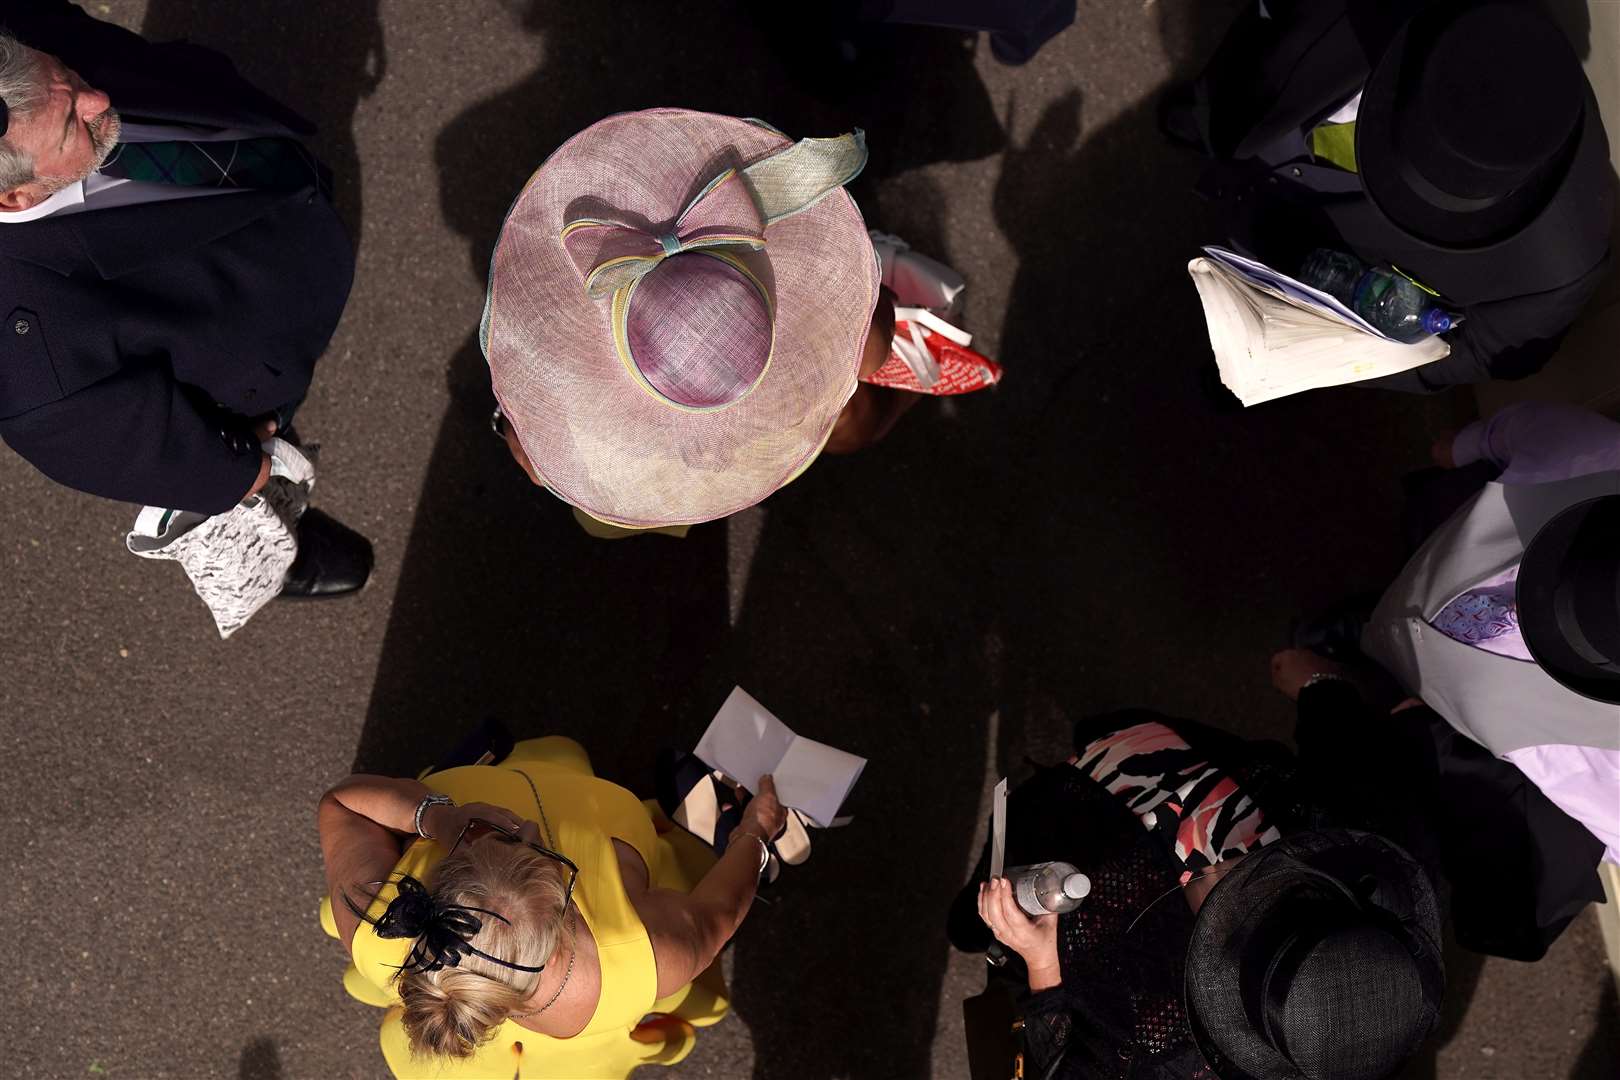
(685, 349)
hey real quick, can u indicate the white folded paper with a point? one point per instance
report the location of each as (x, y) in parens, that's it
(745, 742)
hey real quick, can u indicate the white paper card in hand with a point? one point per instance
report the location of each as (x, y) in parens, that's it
(745, 742)
(998, 828)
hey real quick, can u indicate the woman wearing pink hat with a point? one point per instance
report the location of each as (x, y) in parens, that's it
(680, 305)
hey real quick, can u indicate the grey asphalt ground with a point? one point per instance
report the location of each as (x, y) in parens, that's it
(1094, 534)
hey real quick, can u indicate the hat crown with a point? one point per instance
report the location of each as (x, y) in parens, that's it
(1351, 1007)
(1568, 596)
(698, 330)
(1495, 92)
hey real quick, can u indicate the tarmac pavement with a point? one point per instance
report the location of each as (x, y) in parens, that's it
(1094, 534)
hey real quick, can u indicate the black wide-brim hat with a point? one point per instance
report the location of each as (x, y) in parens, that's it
(1475, 119)
(1568, 596)
(1316, 958)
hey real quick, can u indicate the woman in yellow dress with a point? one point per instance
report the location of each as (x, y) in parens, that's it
(529, 919)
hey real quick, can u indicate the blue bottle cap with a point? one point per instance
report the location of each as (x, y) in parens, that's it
(1436, 321)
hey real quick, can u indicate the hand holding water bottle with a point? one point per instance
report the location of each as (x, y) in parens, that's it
(1035, 940)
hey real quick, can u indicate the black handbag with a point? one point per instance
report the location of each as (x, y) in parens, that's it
(994, 1034)
(994, 1026)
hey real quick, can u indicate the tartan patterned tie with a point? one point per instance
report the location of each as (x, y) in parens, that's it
(272, 164)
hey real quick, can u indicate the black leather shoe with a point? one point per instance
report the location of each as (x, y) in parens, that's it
(1336, 633)
(333, 559)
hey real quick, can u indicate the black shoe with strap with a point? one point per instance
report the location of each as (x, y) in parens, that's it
(333, 559)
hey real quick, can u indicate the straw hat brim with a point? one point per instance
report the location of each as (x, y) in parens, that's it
(598, 439)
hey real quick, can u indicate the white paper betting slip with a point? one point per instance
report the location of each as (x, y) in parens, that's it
(745, 742)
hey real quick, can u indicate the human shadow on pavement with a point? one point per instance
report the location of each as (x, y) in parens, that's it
(1160, 537)
(1600, 1057)
(505, 607)
(260, 1060)
(1164, 537)
(319, 59)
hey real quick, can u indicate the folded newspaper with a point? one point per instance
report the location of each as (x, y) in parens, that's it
(1274, 336)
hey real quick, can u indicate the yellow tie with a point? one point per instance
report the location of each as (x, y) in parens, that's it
(1335, 144)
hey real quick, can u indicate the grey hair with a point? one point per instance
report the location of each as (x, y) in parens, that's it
(21, 90)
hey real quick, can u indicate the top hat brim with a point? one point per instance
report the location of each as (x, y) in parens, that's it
(1536, 597)
(1262, 887)
(598, 439)
(1403, 195)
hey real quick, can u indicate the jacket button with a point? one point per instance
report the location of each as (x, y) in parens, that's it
(21, 326)
(1296, 171)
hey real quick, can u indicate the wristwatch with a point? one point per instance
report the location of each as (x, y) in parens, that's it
(431, 799)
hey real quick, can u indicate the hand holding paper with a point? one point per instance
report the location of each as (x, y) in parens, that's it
(745, 742)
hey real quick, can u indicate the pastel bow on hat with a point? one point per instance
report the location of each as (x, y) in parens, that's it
(610, 255)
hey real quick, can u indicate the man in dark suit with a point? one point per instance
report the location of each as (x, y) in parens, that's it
(1457, 140)
(174, 270)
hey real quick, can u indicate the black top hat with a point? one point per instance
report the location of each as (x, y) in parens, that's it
(1470, 119)
(1569, 598)
(1316, 958)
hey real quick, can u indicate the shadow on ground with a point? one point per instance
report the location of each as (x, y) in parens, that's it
(260, 1060)
(1600, 1058)
(1102, 531)
(505, 607)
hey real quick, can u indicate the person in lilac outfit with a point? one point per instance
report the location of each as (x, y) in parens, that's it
(1504, 627)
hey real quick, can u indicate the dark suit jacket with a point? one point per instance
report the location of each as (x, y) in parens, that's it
(1274, 76)
(1520, 868)
(140, 339)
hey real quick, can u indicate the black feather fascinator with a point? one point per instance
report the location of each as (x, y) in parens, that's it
(443, 931)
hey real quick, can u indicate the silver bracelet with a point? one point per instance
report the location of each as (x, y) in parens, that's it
(431, 799)
(1324, 676)
(764, 848)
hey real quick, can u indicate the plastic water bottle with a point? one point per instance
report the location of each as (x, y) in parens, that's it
(1397, 306)
(1334, 272)
(1392, 302)
(1048, 888)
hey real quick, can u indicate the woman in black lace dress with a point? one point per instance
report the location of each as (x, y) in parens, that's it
(1235, 928)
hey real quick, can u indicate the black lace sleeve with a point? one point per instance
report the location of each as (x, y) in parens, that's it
(1066, 1037)
(1049, 1023)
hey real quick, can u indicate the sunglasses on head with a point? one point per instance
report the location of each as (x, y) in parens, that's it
(479, 827)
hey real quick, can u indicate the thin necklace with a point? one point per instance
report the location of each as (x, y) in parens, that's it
(572, 953)
(553, 999)
(538, 805)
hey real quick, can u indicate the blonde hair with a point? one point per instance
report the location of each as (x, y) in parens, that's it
(450, 1012)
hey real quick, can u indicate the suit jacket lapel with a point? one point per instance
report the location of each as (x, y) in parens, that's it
(1330, 66)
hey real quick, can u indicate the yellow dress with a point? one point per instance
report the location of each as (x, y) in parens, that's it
(586, 814)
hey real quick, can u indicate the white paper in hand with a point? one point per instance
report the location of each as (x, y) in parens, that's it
(745, 742)
(998, 829)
